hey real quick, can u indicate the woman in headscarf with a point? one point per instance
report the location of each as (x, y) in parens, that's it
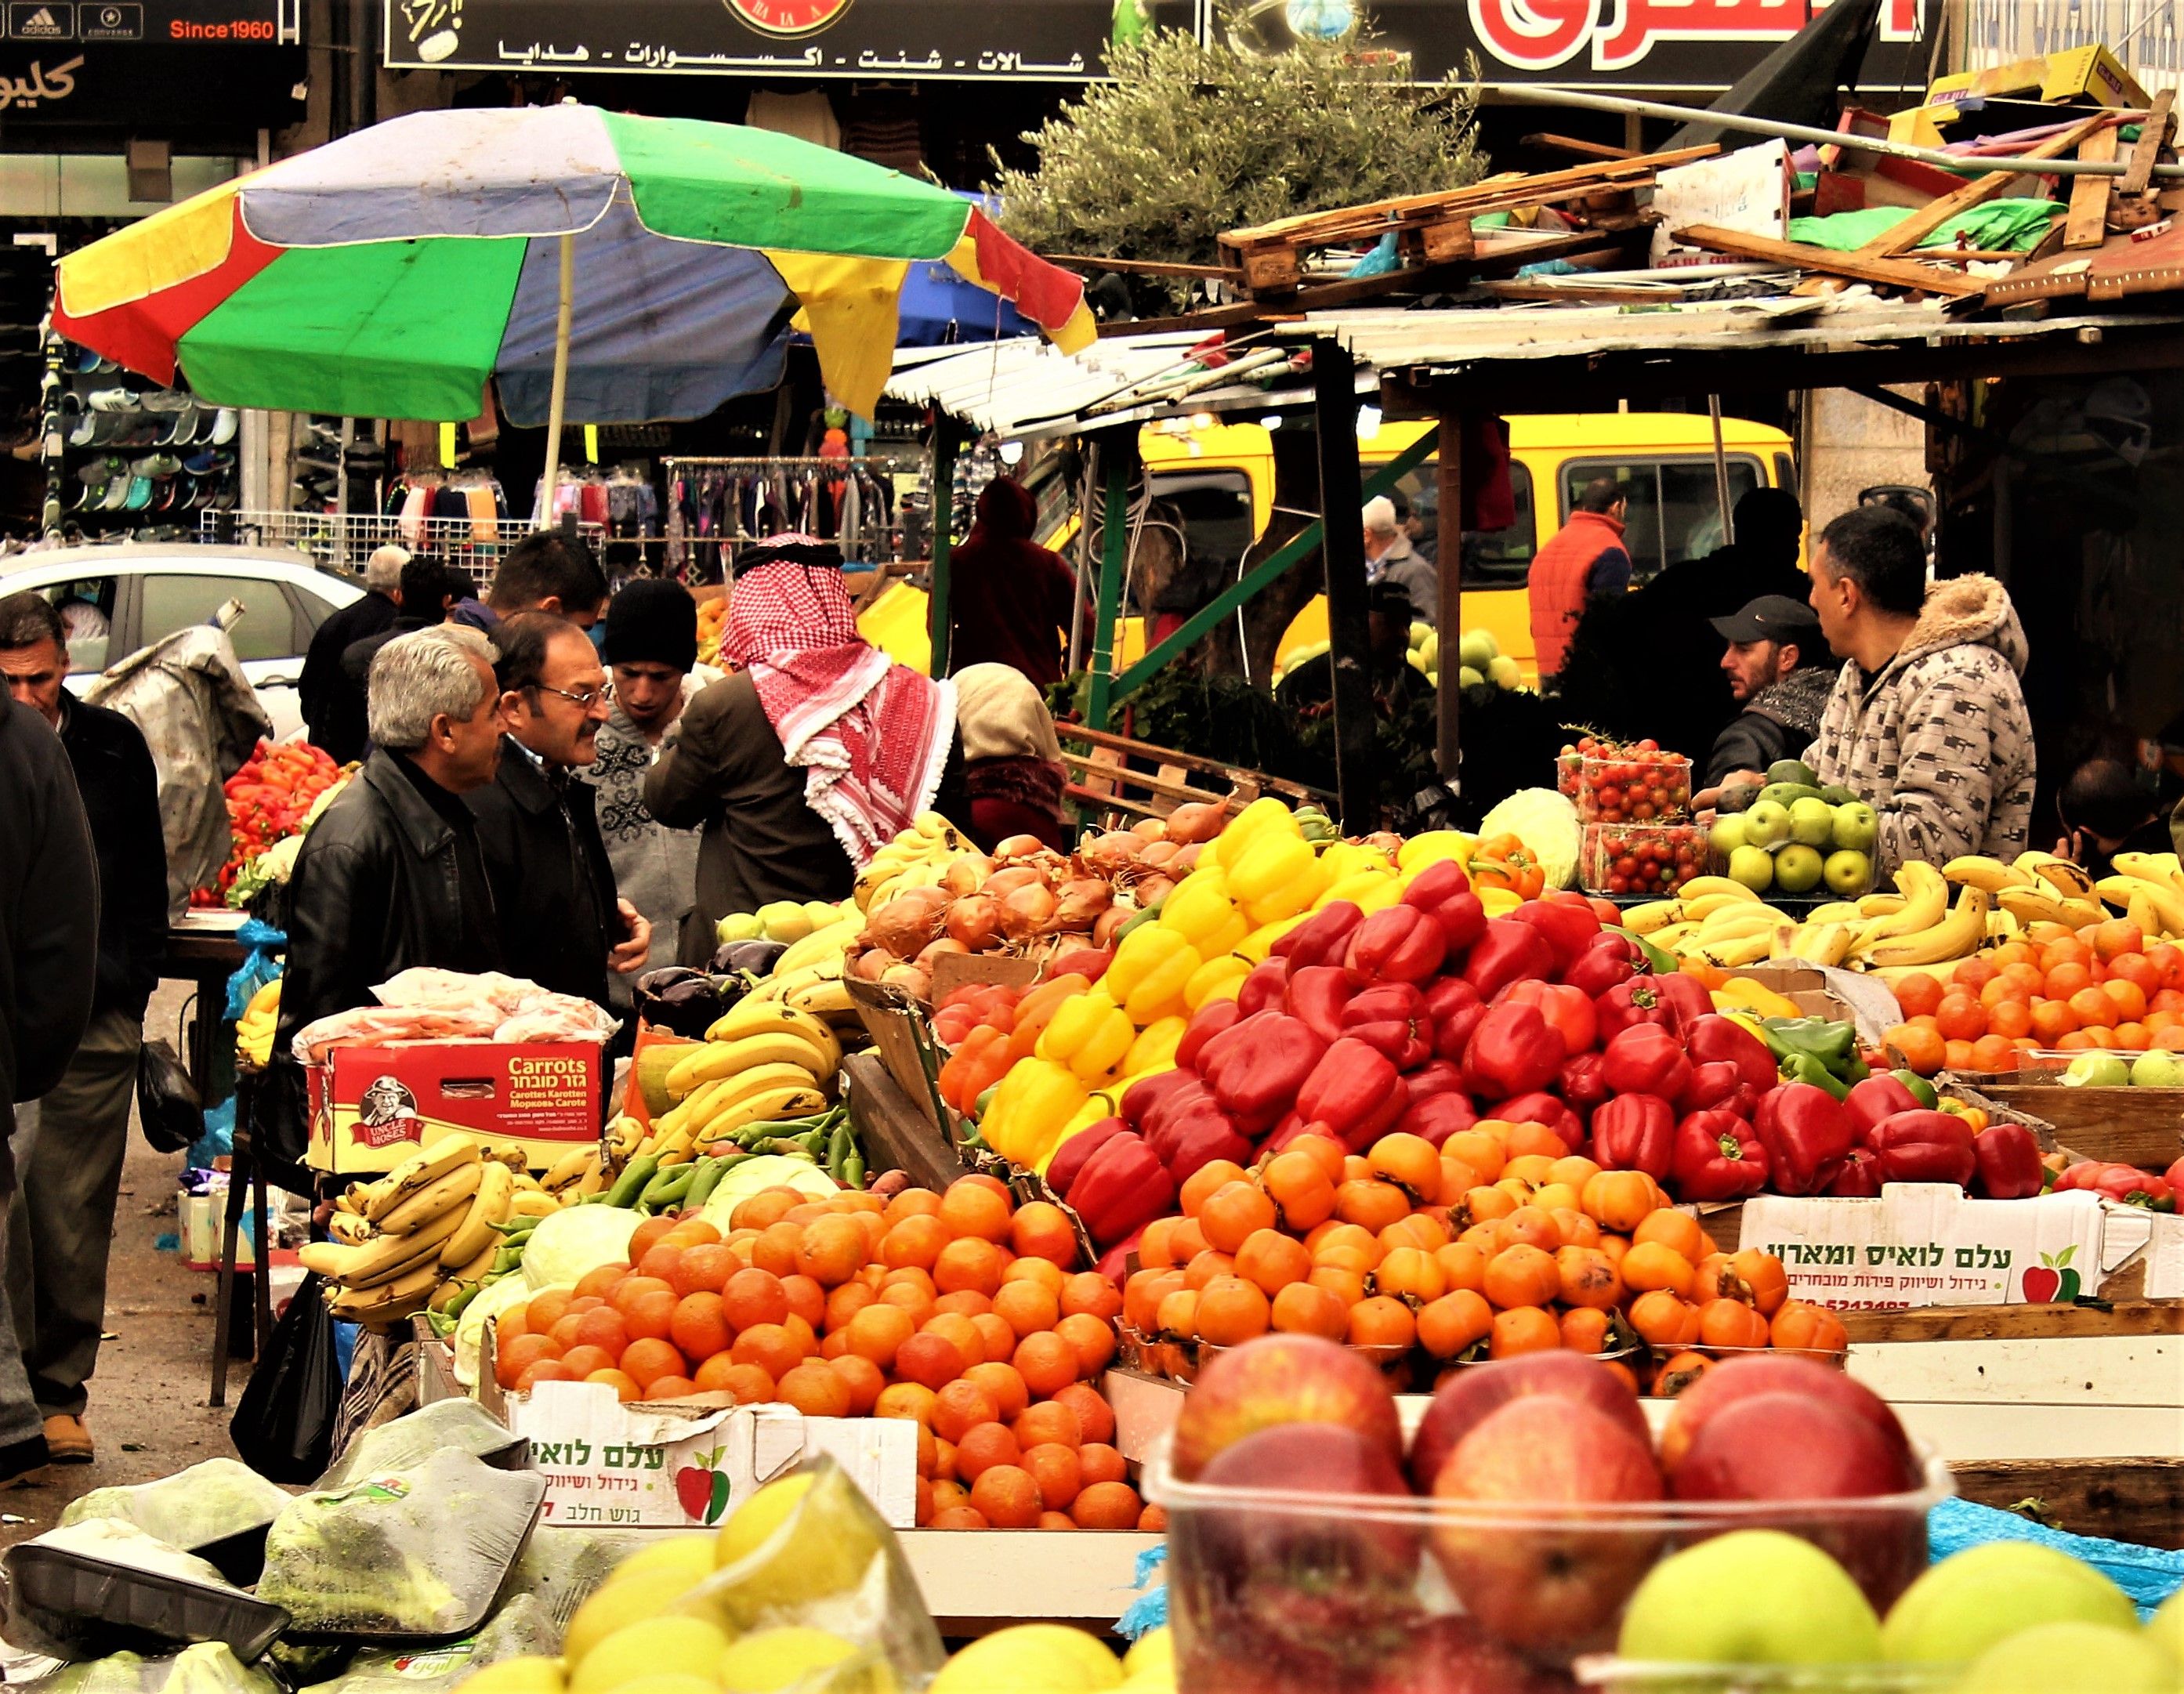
(814, 754)
(1012, 767)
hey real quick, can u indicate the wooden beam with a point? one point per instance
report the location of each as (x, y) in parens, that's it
(2153, 137)
(2087, 224)
(2016, 1323)
(1342, 554)
(1139, 267)
(1889, 273)
(1571, 145)
(2137, 1499)
(1902, 237)
(1448, 578)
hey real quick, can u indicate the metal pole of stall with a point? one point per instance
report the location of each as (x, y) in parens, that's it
(943, 517)
(1720, 473)
(1342, 550)
(1448, 571)
(1118, 456)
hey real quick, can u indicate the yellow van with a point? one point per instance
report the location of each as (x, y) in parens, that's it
(1221, 478)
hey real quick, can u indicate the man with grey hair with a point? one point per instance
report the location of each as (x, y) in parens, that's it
(332, 703)
(1390, 558)
(391, 875)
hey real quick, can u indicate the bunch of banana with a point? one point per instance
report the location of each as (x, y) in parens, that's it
(917, 858)
(2036, 887)
(435, 1214)
(819, 991)
(763, 1060)
(1960, 932)
(576, 1176)
(2150, 888)
(1714, 919)
(1923, 903)
(254, 1030)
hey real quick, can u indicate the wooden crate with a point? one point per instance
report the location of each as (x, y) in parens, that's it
(2126, 1126)
(1108, 775)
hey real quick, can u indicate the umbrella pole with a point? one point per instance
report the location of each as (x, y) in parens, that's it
(560, 382)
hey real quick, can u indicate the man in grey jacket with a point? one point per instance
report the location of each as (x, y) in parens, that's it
(1927, 720)
(1389, 557)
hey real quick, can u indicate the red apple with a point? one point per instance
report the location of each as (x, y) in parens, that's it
(1454, 1656)
(1317, 1592)
(1545, 1460)
(1283, 1379)
(1786, 1447)
(1740, 1378)
(1472, 1393)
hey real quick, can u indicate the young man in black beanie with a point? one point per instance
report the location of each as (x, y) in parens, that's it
(651, 649)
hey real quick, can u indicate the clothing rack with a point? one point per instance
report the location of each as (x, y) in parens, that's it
(715, 506)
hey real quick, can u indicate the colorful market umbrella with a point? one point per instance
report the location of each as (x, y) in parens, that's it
(601, 267)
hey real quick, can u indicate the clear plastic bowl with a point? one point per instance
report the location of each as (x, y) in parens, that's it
(1612, 1675)
(1645, 788)
(1313, 1593)
(1647, 860)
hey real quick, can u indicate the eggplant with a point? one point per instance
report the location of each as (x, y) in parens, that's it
(678, 999)
(755, 957)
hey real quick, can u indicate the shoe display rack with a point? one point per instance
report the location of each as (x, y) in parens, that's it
(141, 463)
(340, 466)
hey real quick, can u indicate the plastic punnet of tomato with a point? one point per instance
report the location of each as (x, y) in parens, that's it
(1612, 783)
(1647, 859)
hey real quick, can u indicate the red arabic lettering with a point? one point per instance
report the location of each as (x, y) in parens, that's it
(1534, 35)
(1640, 23)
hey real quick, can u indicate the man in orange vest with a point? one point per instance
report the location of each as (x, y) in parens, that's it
(1587, 558)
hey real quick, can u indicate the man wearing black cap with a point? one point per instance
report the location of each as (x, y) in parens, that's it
(651, 649)
(1780, 672)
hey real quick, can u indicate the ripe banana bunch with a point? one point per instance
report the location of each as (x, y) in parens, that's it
(1813, 943)
(2035, 887)
(254, 1030)
(762, 1060)
(1959, 933)
(1730, 925)
(395, 1239)
(2149, 887)
(818, 990)
(917, 858)
(1925, 904)
(571, 1177)
(823, 946)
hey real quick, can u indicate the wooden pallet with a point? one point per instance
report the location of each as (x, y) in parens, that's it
(1108, 776)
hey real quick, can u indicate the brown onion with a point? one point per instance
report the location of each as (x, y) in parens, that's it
(975, 923)
(1080, 900)
(1387, 841)
(1197, 822)
(1108, 922)
(966, 875)
(1149, 829)
(1027, 912)
(1155, 889)
(913, 980)
(1105, 854)
(866, 966)
(1018, 847)
(938, 950)
(1187, 860)
(1157, 854)
(905, 923)
(1006, 882)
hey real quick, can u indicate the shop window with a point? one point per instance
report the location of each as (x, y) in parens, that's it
(1675, 514)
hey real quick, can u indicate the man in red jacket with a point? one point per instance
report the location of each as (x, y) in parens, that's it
(1587, 558)
(1009, 598)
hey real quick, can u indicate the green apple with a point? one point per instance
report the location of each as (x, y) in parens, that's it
(1477, 650)
(1847, 872)
(2097, 1070)
(1856, 827)
(1767, 824)
(1468, 676)
(2166, 1630)
(821, 912)
(1429, 650)
(1505, 672)
(2157, 1068)
(1753, 1596)
(739, 926)
(785, 920)
(1792, 770)
(1797, 868)
(2052, 1658)
(1754, 866)
(1963, 1606)
(1812, 821)
(1727, 834)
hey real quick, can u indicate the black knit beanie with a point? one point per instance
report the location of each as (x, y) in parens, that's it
(651, 622)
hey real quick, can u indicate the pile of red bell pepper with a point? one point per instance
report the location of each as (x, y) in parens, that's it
(266, 801)
(2125, 1183)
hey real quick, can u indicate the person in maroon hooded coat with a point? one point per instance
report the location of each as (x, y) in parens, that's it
(1009, 598)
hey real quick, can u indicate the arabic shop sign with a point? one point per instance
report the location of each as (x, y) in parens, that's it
(141, 63)
(1024, 41)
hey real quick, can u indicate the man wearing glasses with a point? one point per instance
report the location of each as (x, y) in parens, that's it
(562, 923)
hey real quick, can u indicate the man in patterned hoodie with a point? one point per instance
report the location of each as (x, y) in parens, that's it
(1927, 720)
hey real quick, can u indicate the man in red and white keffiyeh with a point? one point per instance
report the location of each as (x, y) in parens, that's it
(871, 736)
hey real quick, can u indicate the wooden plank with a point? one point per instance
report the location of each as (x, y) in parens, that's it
(1906, 234)
(1573, 145)
(2087, 224)
(2139, 1499)
(2128, 1126)
(2003, 1429)
(977, 1579)
(1889, 273)
(894, 1134)
(2153, 137)
(2016, 1323)
(1234, 776)
(1139, 267)
(2091, 1370)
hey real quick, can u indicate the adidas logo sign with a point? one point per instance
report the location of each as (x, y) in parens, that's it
(38, 22)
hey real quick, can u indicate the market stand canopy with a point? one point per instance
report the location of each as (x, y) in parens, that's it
(389, 274)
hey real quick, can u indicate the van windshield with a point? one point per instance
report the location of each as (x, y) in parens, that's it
(1675, 512)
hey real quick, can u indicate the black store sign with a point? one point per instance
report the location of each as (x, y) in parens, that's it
(167, 67)
(1691, 46)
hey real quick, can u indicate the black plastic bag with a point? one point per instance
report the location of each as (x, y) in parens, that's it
(167, 1101)
(283, 1427)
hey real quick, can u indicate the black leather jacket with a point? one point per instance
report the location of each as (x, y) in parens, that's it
(553, 884)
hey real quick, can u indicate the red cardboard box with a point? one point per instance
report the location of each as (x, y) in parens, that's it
(373, 1106)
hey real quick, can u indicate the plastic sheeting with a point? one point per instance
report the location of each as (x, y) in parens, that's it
(188, 696)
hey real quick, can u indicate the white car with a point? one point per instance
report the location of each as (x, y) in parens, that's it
(140, 594)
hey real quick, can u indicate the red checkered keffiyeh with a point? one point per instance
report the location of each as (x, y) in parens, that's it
(871, 735)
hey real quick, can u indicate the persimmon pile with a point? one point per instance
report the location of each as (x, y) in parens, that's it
(1490, 1245)
(963, 1311)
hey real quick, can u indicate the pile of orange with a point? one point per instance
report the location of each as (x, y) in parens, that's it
(963, 1311)
(2059, 990)
(1428, 1257)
